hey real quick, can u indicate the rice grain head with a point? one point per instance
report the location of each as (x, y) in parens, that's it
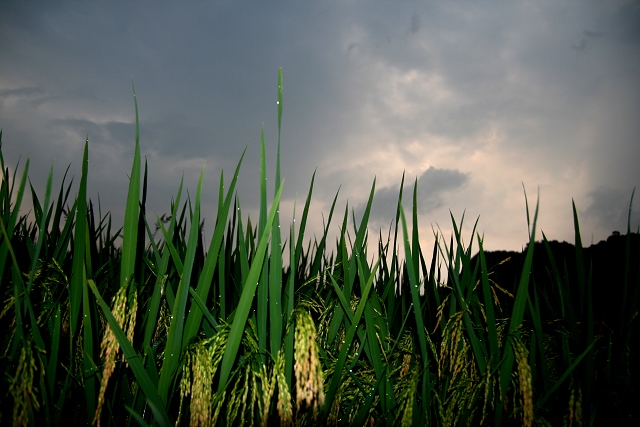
(109, 346)
(524, 381)
(285, 409)
(201, 387)
(268, 389)
(574, 416)
(185, 388)
(307, 368)
(203, 360)
(406, 397)
(23, 388)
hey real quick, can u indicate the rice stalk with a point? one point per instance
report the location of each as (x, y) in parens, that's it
(124, 309)
(203, 361)
(285, 409)
(24, 388)
(201, 388)
(406, 385)
(147, 385)
(454, 350)
(524, 381)
(307, 368)
(574, 410)
(268, 390)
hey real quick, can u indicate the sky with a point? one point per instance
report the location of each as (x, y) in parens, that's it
(479, 101)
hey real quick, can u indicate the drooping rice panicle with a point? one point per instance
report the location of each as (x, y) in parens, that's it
(307, 368)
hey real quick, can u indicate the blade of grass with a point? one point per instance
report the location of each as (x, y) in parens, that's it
(175, 347)
(6, 249)
(263, 285)
(131, 212)
(77, 289)
(194, 318)
(541, 401)
(586, 305)
(467, 282)
(494, 350)
(414, 286)
(517, 315)
(18, 290)
(244, 305)
(12, 216)
(203, 307)
(344, 350)
(275, 270)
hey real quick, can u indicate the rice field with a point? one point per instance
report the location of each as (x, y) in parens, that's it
(165, 331)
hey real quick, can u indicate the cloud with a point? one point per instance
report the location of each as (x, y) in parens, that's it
(21, 92)
(472, 99)
(609, 208)
(434, 185)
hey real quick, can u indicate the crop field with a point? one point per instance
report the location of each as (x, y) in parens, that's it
(116, 326)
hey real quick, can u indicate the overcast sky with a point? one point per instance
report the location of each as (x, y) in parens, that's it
(471, 98)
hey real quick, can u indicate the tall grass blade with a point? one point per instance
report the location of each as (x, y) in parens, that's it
(194, 318)
(414, 286)
(346, 346)
(163, 265)
(586, 305)
(18, 292)
(492, 334)
(275, 269)
(130, 232)
(175, 345)
(245, 302)
(542, 400)
(11, 216)
(263, 286)
(517, 315)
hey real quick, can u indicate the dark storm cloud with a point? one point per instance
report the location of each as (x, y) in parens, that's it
(112, 133)
(20, 92)
(624, 23)
(433, 183)
(433, 186)
(540, 92)
(610, 208)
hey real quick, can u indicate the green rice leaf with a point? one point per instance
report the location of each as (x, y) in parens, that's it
(244, 305)
(154, 306)
(194, 318)
(517, 313)
(261, 313)
(132, 209)
(541, 401)
(175, 345)
(203, 307)
(346, 346)
(275, 259)
(77, 272)
(414, 286)
(492, 334)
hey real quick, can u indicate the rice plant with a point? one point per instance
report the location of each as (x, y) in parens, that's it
(161, 330)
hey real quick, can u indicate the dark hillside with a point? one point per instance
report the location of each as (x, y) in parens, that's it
(604, 263)
(606, 284)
